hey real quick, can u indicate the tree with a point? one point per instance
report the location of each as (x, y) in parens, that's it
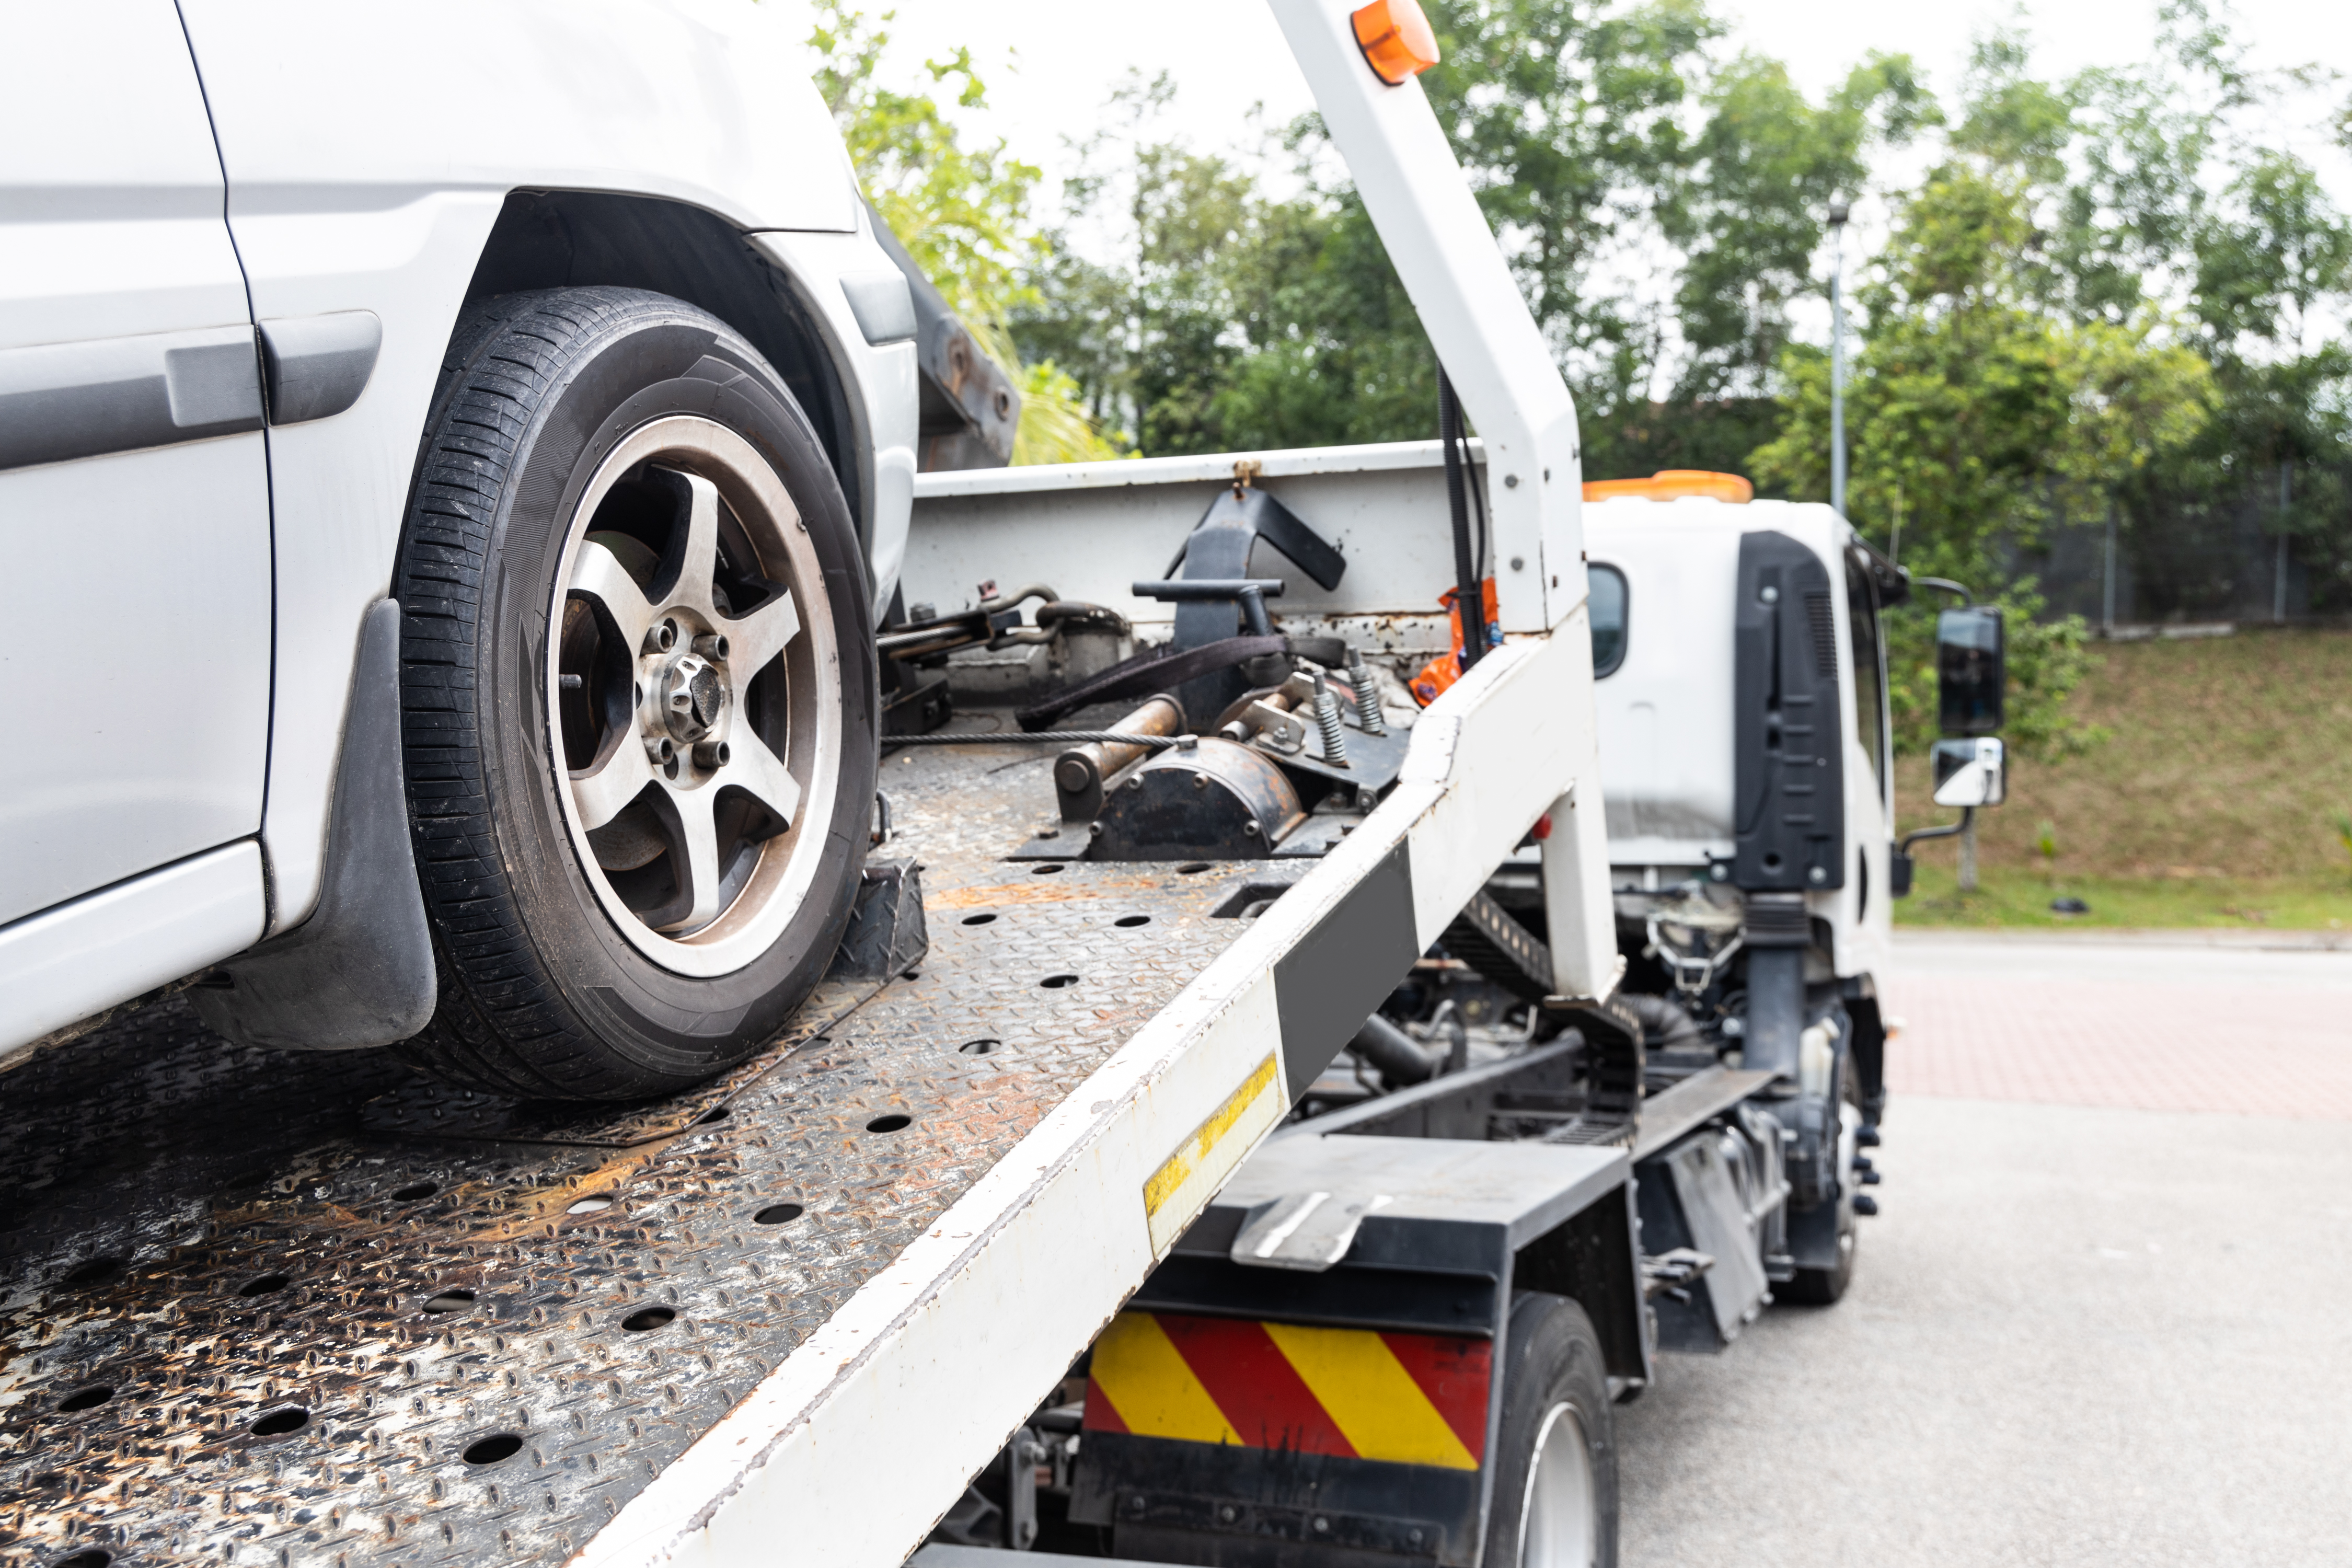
(1977, 412)
(2169, 193)
(1749, 215)
(962, 213)
(1222, 318)
(1598, 138)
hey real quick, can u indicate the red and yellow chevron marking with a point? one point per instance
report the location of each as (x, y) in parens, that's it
(1415, 1399)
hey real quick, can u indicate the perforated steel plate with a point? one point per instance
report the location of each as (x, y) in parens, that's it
(261, 1308)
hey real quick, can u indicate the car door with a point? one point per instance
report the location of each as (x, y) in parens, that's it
(134, 496)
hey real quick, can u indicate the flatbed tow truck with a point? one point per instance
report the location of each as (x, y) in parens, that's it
(931, 1251)
(273, 1307)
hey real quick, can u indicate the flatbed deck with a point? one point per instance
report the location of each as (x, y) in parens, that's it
(228, 1240)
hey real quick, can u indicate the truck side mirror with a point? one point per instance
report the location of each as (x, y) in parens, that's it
(1971, 773)
(1971, 676)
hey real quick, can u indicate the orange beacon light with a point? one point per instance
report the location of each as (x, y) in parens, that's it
(1396, 38)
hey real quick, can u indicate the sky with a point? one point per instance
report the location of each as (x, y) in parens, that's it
(1050, 64)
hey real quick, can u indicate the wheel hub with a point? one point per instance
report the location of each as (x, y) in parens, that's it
(720, 796)
(692, 694)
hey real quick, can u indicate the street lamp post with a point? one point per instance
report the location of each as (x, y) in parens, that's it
(1838, 211)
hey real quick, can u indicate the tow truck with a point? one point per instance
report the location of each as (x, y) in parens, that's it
(1231, 1131)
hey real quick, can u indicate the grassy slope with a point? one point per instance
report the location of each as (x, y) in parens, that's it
(2212, 802)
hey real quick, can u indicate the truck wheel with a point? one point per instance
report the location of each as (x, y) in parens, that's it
(1555, 1479)
(1825, 1287)
(638, 697)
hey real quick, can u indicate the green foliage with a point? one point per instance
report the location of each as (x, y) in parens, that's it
(2174, 196)
(1973, 413)
(2112, 289)
(1594, 136)
(962, 213)
(1748, 220)
(1225, 319)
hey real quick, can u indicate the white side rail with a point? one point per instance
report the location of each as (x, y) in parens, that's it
(1470, 306)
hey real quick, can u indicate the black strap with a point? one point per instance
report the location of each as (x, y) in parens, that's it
(1154, 669)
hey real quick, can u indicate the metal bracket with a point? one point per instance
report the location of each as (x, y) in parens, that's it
(1306, 1231)
(887, 935)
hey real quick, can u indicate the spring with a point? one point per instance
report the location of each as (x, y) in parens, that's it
(1368, 697)
(1327, 715)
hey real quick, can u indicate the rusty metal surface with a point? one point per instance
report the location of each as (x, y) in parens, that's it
(424, 1108)
(257, 1309)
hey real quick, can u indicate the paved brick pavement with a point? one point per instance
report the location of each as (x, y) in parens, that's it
(2149, 1023)
(2107, 1328)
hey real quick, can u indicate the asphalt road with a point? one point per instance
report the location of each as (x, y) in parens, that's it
(2096, 1321)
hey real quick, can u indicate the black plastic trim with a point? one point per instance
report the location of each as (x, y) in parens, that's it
(63, 401)
(317, 366)
(358, 971)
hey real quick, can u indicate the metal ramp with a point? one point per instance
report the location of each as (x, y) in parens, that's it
(294, 1309)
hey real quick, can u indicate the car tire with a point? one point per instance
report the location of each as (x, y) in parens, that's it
(638, 697)
(1555, 1499)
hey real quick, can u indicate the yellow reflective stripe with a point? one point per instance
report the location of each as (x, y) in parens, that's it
(1369, 1396)
(1170, 1176)
(1141, 1371)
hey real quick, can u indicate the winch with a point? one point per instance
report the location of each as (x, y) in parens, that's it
(1253, 744)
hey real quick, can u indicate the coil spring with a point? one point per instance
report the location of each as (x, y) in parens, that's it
(1368, 697)
(1327, 715)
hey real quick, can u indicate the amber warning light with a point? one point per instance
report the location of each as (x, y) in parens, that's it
(1396, 39)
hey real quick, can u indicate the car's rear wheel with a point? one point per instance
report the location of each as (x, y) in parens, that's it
(638, 694)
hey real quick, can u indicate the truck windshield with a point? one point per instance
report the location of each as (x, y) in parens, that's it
(1606, 585)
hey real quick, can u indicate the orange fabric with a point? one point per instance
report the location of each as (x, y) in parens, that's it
(1397, 39)
(1433, 678)
(1668, 483)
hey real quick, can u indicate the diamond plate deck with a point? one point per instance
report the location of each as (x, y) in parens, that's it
(261, 1308)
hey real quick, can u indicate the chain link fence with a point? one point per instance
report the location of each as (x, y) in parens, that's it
(2273, 547)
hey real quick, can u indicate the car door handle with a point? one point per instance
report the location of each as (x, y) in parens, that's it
(62, 400)
(318, 366)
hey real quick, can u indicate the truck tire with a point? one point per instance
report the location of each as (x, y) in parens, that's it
(1555, 1501)
(1826, 1287)
(638, 697)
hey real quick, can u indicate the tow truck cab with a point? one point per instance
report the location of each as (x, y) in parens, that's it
(1667, 582)
(1747, 767)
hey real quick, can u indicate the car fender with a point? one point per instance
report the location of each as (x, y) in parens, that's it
(368, 154)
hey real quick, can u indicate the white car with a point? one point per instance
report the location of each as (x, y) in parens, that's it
(452, 459)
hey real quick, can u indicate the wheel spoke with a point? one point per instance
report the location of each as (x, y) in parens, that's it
(761, 773)
(597, 574)
(699, 564)
(762, 635)
(601, 792)
(698, 832)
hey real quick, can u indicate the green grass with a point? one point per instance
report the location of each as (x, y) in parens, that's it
(2010, 897)
(2217, 798)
